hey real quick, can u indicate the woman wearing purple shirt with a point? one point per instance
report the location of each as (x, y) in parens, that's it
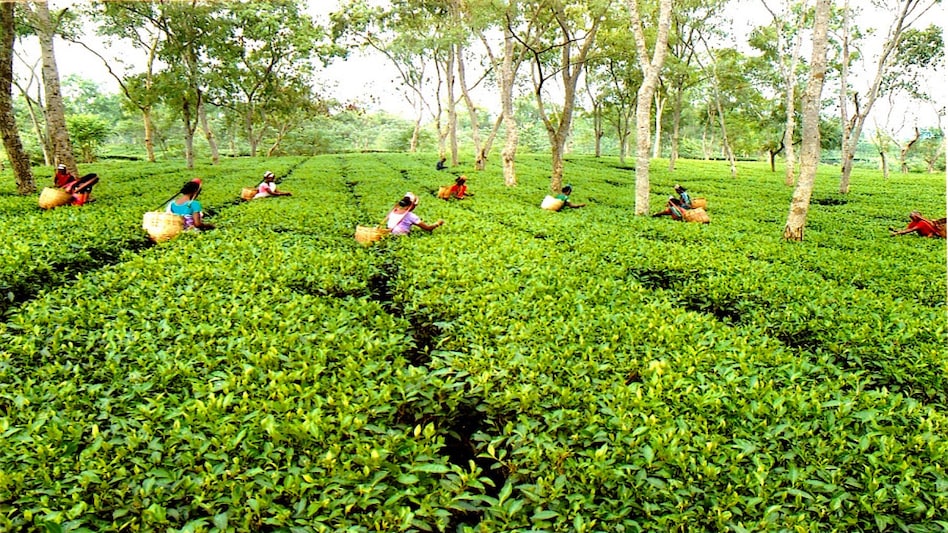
(401, 218)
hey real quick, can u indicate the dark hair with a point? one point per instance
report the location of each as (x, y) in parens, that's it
(404, 202)
(568, 189)
(191, 187)
(460, 179)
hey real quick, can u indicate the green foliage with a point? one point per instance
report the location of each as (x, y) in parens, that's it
(516, 369)
(87, 132)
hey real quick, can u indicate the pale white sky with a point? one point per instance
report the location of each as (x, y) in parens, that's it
(371, 81)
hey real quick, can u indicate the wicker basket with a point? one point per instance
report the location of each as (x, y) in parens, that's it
(52, 197)
(696, 215)
(699, 202)
(444, 192)
(162, 226)
(552, 204)
(369, 234)
(247, 193)
(940, 227)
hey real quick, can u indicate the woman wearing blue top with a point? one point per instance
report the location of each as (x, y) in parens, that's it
(675, 206)
(186, 205)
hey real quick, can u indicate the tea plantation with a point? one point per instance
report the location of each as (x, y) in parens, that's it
(514, 370)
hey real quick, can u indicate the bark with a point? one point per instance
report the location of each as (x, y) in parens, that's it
(19, 160)
(596, 118)
(847, 123)
(55, 108)
(659, 111)
(507, 75)
(479, 157)
(810, 150)
(189, 127)
(452, 107)
(209, 135)
(570, 68)
(676, 130)
(903, 154)
(650, 72)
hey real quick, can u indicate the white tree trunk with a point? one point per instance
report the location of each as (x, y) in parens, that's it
(55, 109)
(650, 72)
(810, 151)
(507, 76)
(659, 111)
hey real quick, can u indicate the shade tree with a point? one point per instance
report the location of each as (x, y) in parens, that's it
(12, 144)
(901, 16)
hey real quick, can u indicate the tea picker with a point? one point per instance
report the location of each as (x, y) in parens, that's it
(183, 211)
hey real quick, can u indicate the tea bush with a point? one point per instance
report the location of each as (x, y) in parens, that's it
(517, 369)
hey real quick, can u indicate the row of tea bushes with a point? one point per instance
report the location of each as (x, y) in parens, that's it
(52, 247)
(615, 407)
(514, 370)
(241, 379)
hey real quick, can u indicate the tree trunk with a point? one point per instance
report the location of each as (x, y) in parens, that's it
(19, 160)
(810, 150)
(659, 111)
(903, 154)
(209, 135)
(55, 109)
(189, 128)
(676, 130)
(37, 118)
(725, 143)
(650, 72)
(149, 133)
(789, 77)
(507, 75)
(884, 165)
(845, 122)
(452, 107)
(479, 157)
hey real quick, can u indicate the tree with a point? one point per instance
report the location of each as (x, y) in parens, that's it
(904, 14)
(789, 40)
(88, 131)
(931, 147)
(262, 57)
(810, 150)
(407, 35)
(132, 22)
(562, 27)
(19, 160)
(689, 25)
(45, 26)
(651, 68)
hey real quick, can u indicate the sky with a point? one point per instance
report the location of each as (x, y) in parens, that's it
(368, 79)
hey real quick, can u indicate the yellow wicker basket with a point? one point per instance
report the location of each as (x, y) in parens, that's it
(369, 234)
(696, 215)
(52, 197)
(551, 203)
(162, 226)
(699, 202)
(247, 193)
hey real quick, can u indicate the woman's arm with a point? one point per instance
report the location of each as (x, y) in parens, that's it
(429, 227)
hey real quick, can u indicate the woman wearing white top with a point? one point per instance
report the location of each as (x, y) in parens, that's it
(268, 187)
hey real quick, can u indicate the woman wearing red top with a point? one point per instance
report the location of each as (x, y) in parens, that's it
(79, 188)
(459, 189)
(918, 224)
